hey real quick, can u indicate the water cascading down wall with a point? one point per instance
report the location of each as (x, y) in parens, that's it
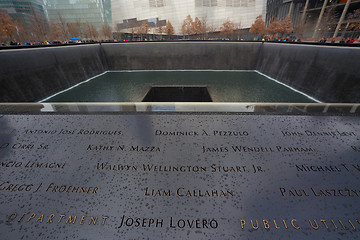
(330, 74)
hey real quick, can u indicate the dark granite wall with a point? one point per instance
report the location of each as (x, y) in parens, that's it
(331, 74)
(182, 55)
(28, 75)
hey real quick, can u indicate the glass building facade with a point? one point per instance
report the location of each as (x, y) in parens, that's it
(96, 12)
(25, 11)
(215, 12)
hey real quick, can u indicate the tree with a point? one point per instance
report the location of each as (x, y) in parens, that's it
(258, 27)
(94, 32)
(160, 28)
(187, 26)
(38, 27)
(106, 31)
(204, 27)
(169, 29)
(144, 29)
(90, 31)
(132, 26)
(239, 28)
(24, 31)
(354, 20)
(55, 31)
(197, 26)
(63, 27)
(227, 27)
(274, 28)
(286, 26)
(74, 28)
(210, 29)
(8, 27)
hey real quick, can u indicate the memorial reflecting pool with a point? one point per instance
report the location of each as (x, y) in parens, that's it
(221, 86)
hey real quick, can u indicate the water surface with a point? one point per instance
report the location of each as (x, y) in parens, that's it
(223, 86)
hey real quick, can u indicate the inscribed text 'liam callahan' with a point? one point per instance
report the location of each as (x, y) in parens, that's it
(184, 192)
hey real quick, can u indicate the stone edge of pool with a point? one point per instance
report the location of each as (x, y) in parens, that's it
(324, 72)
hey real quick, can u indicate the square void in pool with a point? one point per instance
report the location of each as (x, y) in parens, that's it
(177, 94)
(180, 86)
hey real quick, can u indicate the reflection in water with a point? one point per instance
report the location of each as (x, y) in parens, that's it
(223, 86)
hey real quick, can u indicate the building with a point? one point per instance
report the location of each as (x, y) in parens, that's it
(25, 12)
(315, 18)
(95, 12)
(279, 9)
(214, 12)
(31, 18)
(330, 18)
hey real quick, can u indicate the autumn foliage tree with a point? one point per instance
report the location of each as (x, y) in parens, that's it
(187, 27)
(74, 29)
(94, 32)
(354, 20)
(286, 26)
(38, 26)
(227, 27)
(8, 27)
(55, 32)
(258, 27)
(281, 27)
(63, 27)
(169, 29)
(197, 26)
(204, 27)
(90, 31)
(106, 31)
(274, 28)
(144, 29)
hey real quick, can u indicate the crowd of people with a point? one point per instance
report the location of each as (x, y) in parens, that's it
(12, 43)
(286, 39)
(342, 40)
